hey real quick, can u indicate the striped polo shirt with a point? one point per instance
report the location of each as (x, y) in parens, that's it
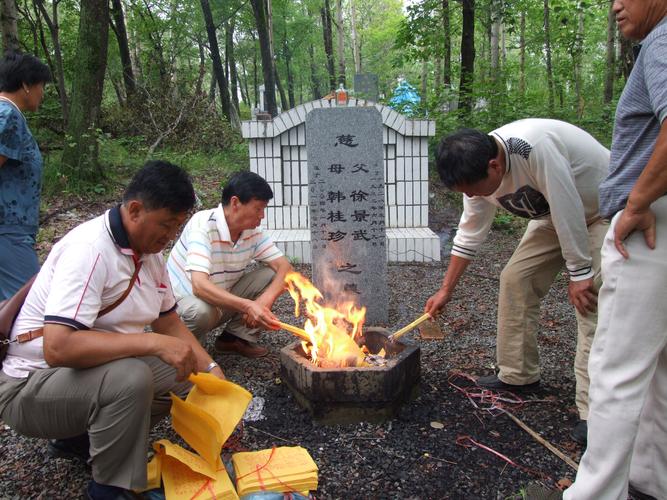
(640, 113)
(206, 246)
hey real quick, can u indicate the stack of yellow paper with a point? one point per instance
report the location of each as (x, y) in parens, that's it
(285, 469)
(187, 476)
(204, 420)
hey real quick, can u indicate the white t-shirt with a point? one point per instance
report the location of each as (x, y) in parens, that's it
(554, 170)
(86, 271)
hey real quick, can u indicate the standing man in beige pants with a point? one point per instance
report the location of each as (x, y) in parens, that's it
(547, 171)
(81, 369)
(211, 269)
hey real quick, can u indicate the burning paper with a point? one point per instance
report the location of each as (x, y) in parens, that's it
(332, 330)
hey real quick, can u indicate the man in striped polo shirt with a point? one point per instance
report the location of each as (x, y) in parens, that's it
(627, 439)
(210, 272)
(547, 171)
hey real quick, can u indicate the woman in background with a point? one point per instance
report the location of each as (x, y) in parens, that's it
(22, 80)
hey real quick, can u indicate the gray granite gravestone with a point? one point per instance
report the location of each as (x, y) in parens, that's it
(346, 202)
(366, 86)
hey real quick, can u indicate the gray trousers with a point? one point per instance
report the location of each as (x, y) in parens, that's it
(201, 317)
(115, 403)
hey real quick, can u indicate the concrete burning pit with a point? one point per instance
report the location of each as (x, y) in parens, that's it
(353, 394)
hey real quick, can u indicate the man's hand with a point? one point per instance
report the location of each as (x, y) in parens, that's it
(436, 303)
(630, 221)
(177, 353)
(257, 314)
(583, 296)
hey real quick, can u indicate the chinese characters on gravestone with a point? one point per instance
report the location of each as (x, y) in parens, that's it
(346, 201)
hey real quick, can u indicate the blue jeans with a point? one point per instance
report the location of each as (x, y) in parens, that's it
(18, 262)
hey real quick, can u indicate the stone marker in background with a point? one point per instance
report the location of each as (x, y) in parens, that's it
(346, 201)
(366, 86)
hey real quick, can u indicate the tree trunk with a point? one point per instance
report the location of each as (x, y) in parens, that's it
(577, 55)
(341, 42)
(328, 43)
(424, 79)
(231, 58)
(281, 90)
(611, 55)
(54, 29)
(244, 84)
(255, 79)
(467, 57)
(494, 43)
(522, 54)
(268, 68)
(123, 47)
(218, 70)
(9, 25)
(80, 154)
(314, 79)
(437, 84)
(287, 56)
(202, 65)
(626, 57)
(547, 51)
(356, 49)
(447, 39)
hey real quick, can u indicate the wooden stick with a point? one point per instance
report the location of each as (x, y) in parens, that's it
(543, 442)
(409, 327)
(299, 332)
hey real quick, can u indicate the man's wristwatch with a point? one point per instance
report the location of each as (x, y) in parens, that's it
(211, 366)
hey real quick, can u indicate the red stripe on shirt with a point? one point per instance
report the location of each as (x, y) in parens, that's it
(86, 287)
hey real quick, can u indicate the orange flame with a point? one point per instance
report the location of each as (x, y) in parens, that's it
(331, 344)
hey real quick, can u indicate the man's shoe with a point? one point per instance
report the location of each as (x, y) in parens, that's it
(493, 382)
(241, 347)
(97, 491)
(580, 432)
(75, 448)
(638, 495)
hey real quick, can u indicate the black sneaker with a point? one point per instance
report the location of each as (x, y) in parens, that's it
(635, 494)
(493, 382)
(75, 448)
(580, 432)
(97, 491)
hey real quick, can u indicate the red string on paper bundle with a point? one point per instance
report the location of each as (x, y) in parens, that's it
(258, 470)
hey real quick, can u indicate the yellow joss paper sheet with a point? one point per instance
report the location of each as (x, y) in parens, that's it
(225, 401)
(194, 462)
(279, 469)
(198, 428)
(182, 483)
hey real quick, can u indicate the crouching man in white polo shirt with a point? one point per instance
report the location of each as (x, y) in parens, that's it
(95, 374)
(210, 269)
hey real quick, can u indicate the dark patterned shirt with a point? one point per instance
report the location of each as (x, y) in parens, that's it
(21, 174)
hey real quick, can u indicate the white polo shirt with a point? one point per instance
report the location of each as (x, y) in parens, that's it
(86, 271)
(206, 245)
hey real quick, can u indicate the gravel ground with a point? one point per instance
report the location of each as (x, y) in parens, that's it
(406, 457)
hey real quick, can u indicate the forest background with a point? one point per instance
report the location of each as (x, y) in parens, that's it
(172, 79)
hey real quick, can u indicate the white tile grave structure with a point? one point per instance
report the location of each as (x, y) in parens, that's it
(278, 153)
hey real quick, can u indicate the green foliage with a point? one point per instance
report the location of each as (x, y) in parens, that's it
(172, 67)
